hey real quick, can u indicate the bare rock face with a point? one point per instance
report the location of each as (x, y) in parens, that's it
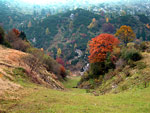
(11, 59)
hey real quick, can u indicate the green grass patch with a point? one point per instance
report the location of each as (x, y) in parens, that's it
(21, 77)
(42, 100)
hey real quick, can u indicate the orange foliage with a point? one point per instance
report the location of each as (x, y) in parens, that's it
(107, 19)
(16, 31)
(1, 75)
(148, 26)
(62, 71)
(100, 46)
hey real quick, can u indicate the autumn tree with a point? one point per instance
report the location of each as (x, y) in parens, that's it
(16, 31)
(107, 19)
(58, 52)
(71, 26)
(108, 27)
(60, 61)
(100, 46)
(15, 41)
(92, 24)
(47, 32)
(62, 71)
(126, 34)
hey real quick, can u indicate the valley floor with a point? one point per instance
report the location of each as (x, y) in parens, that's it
(37, 99)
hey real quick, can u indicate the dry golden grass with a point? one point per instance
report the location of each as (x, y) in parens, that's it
(11, 59)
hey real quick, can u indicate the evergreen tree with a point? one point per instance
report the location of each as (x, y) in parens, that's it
(2, 34)
(143, 34)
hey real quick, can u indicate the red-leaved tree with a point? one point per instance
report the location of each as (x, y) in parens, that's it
(100, 46)
(60, 61)
(62, 71)
(16, 31)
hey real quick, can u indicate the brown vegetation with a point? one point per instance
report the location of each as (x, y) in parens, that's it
(11, 59)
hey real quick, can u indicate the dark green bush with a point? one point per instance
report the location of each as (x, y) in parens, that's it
(2, 34)
(74, 62)
(2, 39)
(130, 54)
(96, 69)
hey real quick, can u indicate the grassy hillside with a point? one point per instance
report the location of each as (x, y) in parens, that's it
(42, 100)
(15, 73)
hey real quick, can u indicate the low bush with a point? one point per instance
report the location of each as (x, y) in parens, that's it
(143, 46)
(130, 54)
(96, 69)
(120, 63)
(13, 40)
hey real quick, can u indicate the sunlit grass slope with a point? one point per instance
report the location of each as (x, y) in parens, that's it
(42, 100)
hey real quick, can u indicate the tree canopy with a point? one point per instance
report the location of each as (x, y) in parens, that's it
(126, 34)
(100, 46)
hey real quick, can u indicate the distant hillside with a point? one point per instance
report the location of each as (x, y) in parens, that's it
(72, 30)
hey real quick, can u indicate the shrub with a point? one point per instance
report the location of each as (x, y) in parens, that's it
(96, 69)
(16, 42)
(62, 71)
(35, 59)
(74, 62)
(143, 46)
(52, 66)
(120, 63)
(130, 45)
(2, 39)
(60, 61)
(130, 54)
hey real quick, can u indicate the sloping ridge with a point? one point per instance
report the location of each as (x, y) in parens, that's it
(11, 59)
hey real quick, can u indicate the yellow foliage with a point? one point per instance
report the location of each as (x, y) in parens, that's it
(130, 45)
(47, 32)
(126, 34)
(92, 24)
(58, 52)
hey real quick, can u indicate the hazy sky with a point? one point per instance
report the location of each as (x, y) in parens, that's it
(46, 2)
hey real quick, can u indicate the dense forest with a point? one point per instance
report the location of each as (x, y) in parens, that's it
(70, 31)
